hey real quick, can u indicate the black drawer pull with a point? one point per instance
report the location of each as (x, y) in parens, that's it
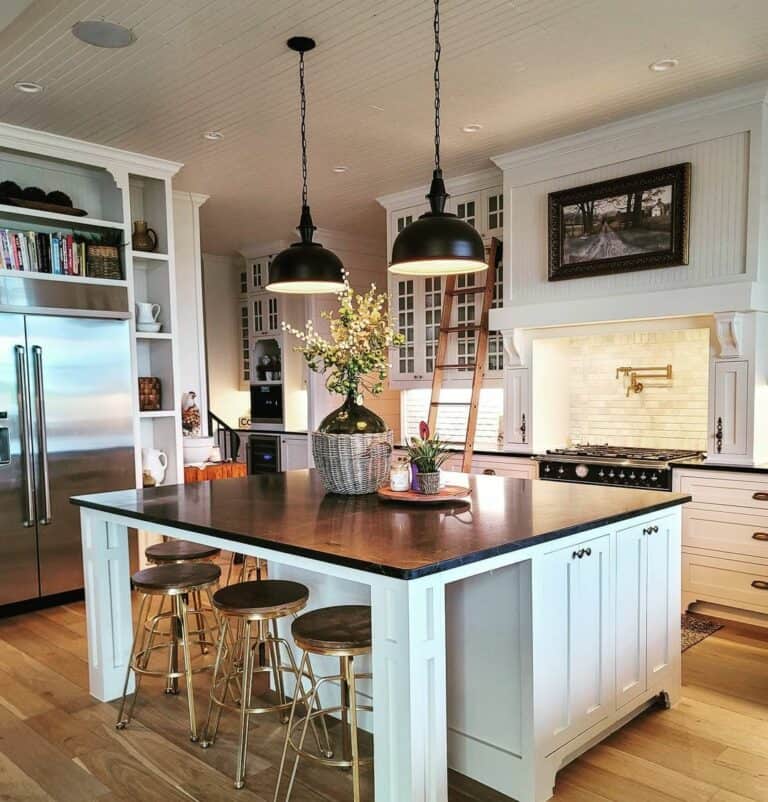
(760, 584)
(577, 555)
(760, 536)
(588, 552)
(650, 530)
(760, 496)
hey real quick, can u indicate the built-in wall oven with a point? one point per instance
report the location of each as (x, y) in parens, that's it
(647, 468)
(264, 453)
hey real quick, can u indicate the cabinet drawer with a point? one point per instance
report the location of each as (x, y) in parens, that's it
(743, 492)
(734, 533)
(726, 582)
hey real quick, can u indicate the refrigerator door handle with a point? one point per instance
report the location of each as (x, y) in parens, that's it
(42, 445)
(25, 421)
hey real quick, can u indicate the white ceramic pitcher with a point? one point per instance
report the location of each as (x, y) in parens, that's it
(154, 462)
(147, 312)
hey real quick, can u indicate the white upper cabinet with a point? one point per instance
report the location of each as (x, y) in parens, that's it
(245, 345)
(258, 273)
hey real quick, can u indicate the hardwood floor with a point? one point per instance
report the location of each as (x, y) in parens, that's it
(56, 743)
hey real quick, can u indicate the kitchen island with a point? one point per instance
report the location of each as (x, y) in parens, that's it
(510, 633)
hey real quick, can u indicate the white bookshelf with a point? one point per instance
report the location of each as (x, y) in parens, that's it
(115, 188)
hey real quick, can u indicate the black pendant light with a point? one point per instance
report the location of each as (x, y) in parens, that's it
(438, 243)
(305, 267)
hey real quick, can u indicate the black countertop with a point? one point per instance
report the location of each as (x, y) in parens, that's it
(290, 512)
(708, 465)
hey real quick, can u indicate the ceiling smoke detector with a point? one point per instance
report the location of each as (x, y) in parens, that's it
(471, 128)
(213, 136)
(340, 168)
(28, 87)
(663, 65)
(101, 33)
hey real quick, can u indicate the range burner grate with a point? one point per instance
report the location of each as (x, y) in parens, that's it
(622, 452)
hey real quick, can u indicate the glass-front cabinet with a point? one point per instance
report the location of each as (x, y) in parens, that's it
(416, 303)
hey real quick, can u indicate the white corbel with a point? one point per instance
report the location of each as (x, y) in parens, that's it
(729, 327)
(513, 348)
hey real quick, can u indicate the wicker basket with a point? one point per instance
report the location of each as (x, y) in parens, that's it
(103, 261)
(352, 464)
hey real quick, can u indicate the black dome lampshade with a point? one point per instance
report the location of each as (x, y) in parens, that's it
(438, 243)
(305, 267)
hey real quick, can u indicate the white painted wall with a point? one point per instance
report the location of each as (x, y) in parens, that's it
(189, 297)
(221, 291)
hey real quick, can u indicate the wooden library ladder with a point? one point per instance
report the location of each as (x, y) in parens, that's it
(481, 351)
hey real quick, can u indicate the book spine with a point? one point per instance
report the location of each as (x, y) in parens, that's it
(70, 261)
(17, 261)
(6, 250)
(32, 246)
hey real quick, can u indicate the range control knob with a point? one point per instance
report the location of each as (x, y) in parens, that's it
(643, 477)
(582, 471)
(561, 470)
(547, 469)
(611, 474)
(602, 473)
(654, 477)
(621, 475)
(632, 476)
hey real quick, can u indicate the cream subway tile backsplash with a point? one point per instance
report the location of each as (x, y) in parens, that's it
(667, 413)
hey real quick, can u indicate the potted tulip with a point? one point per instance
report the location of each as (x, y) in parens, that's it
(427, 454)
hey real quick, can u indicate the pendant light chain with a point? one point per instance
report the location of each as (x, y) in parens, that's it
(303, 131)
(437, 83)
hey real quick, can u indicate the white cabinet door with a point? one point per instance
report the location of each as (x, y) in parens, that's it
(663, 629)
(295, 454)
(265, 318)
(245, 347)
(517, 413)
(493, 208)
(408, 315)
(258, 273)
(575, 659)
(631, 613)
(731, 410)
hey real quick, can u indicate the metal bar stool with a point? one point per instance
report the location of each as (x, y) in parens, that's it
(181, 551)
(176, 581)
(343, 632)
(243, 653)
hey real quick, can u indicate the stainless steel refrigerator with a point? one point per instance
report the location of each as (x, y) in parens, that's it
(65, 429)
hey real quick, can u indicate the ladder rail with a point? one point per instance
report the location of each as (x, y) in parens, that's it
(481, 351)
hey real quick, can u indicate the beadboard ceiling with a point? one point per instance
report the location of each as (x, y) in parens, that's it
(526, 70)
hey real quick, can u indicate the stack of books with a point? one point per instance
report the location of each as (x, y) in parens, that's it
(41, 252)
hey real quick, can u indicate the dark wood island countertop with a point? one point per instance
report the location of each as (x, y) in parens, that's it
(290, 512)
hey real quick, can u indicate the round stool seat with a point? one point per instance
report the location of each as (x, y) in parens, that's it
(176, 577)
(178, 551)
(337, 631)
(267, 598)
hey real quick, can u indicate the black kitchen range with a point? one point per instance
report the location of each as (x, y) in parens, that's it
(613, 465)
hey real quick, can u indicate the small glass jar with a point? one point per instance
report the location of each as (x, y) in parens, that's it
(400, 475)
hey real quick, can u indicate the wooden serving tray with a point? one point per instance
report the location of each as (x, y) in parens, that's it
(447, 493)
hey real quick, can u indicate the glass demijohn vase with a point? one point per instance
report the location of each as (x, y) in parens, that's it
(352, 418)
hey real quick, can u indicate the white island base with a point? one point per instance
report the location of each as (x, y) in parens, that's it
(547, 656)
(504, 669)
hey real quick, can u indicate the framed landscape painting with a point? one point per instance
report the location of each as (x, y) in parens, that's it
(637, 222)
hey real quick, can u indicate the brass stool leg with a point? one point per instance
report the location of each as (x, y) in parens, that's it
(346, 751)
(291, 718)
(245, 701)
(209, 733)
(122, 723)
(310, 705)
(197, 603)
(183, 613)
(352, 691)
(274, 658)
(172, 685)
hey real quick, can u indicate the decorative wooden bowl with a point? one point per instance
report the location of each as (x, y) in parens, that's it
(446, 494)
(41, 206)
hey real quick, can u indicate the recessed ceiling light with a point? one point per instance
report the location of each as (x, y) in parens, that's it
(28, 87)
(663, 64)
(100, 33)
(213, 136)
(471, 128)
(340, 168)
